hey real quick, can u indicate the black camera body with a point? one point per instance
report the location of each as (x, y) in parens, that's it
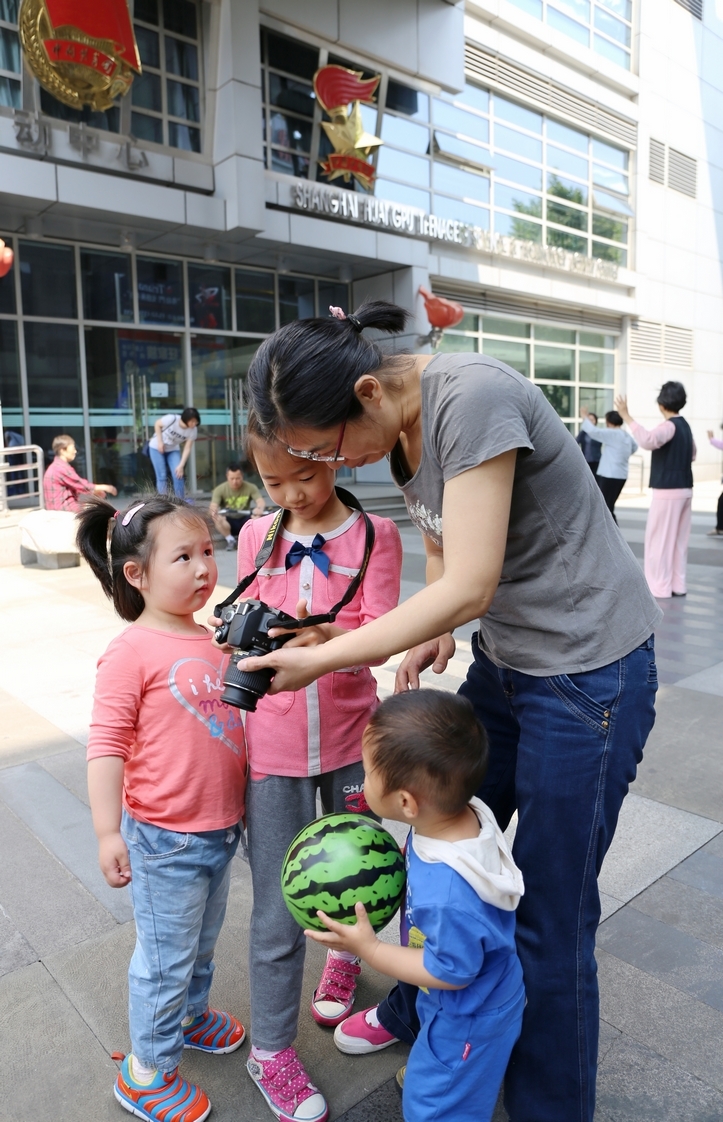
(246, 627)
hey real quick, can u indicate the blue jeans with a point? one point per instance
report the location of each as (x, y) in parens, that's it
(180, 887)
(164, 465)
(563, 752)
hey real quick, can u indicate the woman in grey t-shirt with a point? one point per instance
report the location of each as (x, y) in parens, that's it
(563, 676)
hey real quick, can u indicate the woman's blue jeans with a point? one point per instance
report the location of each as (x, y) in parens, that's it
(179, 886)
(164, 465)
(563, 752)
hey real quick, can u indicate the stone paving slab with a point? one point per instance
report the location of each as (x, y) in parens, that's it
(664, 1019)
(689, 910)
(634, 1082)
(53, 1067)
(682, 762)
(24, 734)
(43, 901)
(707, 681)
(70, 769)
(63, 824)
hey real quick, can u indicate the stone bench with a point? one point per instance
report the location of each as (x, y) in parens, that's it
(47, 538)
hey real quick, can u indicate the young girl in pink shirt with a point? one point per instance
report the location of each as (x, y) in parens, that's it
(166, 779)
(303, 743)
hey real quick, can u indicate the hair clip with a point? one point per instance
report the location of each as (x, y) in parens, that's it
(130, 513)
(116, 513)
(337, 313)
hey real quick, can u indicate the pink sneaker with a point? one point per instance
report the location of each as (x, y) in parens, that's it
(334, 996)
(287, 1088)
(357, 1036)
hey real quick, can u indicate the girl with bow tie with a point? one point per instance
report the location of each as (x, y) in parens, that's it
(303, 743)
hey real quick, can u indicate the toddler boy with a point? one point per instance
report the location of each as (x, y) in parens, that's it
(425, 755)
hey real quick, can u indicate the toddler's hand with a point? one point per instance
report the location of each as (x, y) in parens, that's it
(114, 860)
(307, 636)
(358, 939)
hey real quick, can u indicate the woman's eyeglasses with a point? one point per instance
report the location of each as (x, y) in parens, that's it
(315, 456)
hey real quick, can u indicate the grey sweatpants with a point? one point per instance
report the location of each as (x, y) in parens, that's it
(277, 807)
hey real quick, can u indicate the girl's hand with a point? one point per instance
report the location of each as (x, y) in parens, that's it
(178, 472)
(114, 860)
(436, 654)
(6, 258)
(358, 939)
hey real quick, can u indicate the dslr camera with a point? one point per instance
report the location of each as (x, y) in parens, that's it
(246, 627)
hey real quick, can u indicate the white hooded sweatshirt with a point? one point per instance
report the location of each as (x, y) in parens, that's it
(485, 862)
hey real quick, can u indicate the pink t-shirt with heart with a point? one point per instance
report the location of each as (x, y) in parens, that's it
(157, 705)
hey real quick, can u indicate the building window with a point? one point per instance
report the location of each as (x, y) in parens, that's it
(572, 368)
(603, 25)
(288, 69)
(10, 88)
(166, 98)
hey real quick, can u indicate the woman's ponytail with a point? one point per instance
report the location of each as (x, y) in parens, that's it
(304, 374)
(94, 522)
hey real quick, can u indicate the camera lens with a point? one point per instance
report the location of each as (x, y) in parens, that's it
(244, 688)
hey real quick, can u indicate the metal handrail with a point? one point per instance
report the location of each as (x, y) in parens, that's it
(27, 475)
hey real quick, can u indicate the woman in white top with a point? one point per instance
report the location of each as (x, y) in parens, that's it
(170, 432)
(617, 448)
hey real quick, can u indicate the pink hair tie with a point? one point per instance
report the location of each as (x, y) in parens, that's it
(116, 513)
(337, 313)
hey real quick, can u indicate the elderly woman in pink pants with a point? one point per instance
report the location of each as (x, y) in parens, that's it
(667, 530)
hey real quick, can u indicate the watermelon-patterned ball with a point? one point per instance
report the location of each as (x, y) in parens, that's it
(338, 860)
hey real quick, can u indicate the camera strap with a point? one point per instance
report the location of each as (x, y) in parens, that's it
(267, 549)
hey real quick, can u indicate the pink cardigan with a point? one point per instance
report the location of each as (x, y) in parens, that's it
(319, 729)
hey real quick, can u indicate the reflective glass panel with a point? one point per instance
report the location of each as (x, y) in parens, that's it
(457, 182)
(291, 56)
(10, 93)
(567, 189)
(146, 92)
(219, 366)
(160, 291)
(516, 115)
(148, 47)
(606, 227)
(181, 58)
(53, 365)
(516, 355)
(444, 207)
(562, 134)
(554, 362)
(411, 102)
(288, 93)
(514, 199)
(405, 134)
(209, 297)
(615, 28)
(554, 335)
(400, 165)
(610, 253)
(9, 10)
(592, 339)
(568, 26)
(517, 227)
(572, 242)
(493, 326)
(107, 286)
(599, 402)
(47, 279)
(180, 16)
(296, 299)
(596, 367)
(518, 142)
(334, 294)
(255, 301)
(147, 10)
(147, 128)
(9, 50)
(457, 344)
(607, 177)
(451, 117)
(476, 98)
(401, 193)
(567, 216)
(565, 161)
(609, 155)
(448, 145)
(560, 398)
(529, 176)
(185, 137)
(183, 101)
(10, 375)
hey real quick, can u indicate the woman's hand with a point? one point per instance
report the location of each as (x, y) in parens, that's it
(710, 434)
(6, 259)
(621, 404)
(436, 654)
(584, 412)
(114, 860)
(178, 471)
(358, 939)
(294, 667)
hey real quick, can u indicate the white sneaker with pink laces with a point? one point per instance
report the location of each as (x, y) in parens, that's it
(287, 1088)
(334, 996)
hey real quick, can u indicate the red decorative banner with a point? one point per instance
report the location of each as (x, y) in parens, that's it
(68, 50)
(340, 162)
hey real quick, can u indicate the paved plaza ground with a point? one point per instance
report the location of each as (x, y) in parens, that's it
(66, 938)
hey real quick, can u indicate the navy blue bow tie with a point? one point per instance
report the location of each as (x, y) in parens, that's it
(315, 551)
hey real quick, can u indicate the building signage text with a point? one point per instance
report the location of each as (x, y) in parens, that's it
(370, 211)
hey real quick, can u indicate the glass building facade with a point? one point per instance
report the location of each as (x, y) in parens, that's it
(99, 344)
(603, 25)
(477, 156)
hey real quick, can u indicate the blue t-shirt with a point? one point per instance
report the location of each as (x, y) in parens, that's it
(466, 941)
